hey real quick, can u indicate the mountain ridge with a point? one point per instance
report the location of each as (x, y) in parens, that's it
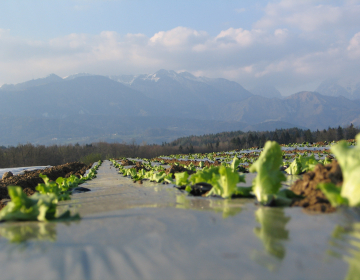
(161, 97)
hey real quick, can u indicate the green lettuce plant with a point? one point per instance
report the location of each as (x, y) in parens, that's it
(349, 161)
(224, 183)
(181, 179)
(267, 183)
(53, 188)
(38, 207)
(302, 164)
(234, 164)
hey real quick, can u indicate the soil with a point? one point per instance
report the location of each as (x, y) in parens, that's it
(314, 199)
(7, 175)
(139, 166)
(177, 169)
(187, 162)
(126, 162)
(199, 189)
(30, 179)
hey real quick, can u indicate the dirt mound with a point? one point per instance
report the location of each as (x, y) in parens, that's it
(126, 162)
(177, 169)
(314, 199)
(139, 166)
(7, 175)
(30, 179)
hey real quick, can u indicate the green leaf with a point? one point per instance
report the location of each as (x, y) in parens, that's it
(269, 177)
(333, 194)
(234, 164)
(294, 168)
(302, 164)
(289, 194)
(37, 207)
(181, 179)
(204, 176)
(188, 189)
(224, 184)
(349, 161)
(308, 163)
(149, 174)
(326, 161)
(158, 177)
(243, 191)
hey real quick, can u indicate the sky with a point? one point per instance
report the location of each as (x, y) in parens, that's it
(293, 45)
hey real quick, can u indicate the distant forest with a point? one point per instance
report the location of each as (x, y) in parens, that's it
(33, 155)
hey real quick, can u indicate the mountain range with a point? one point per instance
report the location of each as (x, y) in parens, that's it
(331, 87)
(156, 108)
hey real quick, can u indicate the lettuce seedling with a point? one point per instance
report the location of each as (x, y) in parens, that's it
(158, 177)
(182, 179)
(325, 161)
(308, 163)
(302, 164)
(295, 167)
(52, 188)
(224, 183)
(234, 164)
(40, 207)
(204, 176)
(267, 183)
(349, 161)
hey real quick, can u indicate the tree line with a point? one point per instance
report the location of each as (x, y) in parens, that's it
(35, 155)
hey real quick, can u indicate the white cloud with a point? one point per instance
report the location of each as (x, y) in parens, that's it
(354, 46)
(238, 36)
(288, 47)
(309, 15)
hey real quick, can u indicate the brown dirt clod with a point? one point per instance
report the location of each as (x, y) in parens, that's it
(315, 199)
(7, 175)
(177, 169)
(126, 162)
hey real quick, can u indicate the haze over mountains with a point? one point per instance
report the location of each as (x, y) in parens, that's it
(159, 107)
(332, 88)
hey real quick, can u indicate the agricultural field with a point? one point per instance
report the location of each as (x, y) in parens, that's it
(280, 212)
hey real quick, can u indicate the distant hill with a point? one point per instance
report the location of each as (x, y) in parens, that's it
(331, 88)
(91, 95)
(154, 108)
(194, 96)
(32, 83)
(308, 109)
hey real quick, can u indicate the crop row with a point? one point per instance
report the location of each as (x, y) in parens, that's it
(222, 177)
(42, 205)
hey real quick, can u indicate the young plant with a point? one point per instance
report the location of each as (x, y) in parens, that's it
(267, 183)
(182, 179)
(38, 207)
(52, 188)
(349, 161)
(234, 164)
(224, 184)
(302, 164)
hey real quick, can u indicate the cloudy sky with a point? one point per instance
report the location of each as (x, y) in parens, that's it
(290, 44)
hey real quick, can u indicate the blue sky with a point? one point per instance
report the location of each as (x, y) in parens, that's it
(290, 44)
(46, 19)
